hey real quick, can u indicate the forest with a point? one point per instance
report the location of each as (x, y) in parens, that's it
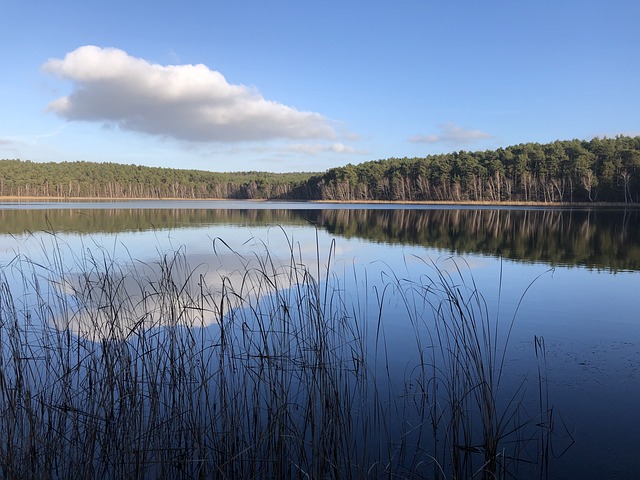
(597, 170)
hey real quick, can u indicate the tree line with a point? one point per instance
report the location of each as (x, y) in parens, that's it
(606, 170)
(112, 180)
(598, 170)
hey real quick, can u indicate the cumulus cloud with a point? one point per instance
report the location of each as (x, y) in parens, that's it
(452, 134)
(185, 102)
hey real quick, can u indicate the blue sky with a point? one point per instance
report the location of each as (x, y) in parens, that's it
(305, 86)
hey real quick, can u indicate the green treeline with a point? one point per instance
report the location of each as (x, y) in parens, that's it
(602, 170)
(112, 180)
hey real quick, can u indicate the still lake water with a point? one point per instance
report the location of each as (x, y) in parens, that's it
(571, 276)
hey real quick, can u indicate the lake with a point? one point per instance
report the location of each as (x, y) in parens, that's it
(551, 295)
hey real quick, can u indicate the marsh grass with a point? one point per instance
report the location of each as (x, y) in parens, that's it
(115, 368)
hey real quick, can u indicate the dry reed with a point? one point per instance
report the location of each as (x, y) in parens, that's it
(125, 369)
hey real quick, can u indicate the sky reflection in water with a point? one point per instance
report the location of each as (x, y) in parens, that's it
(587, 316)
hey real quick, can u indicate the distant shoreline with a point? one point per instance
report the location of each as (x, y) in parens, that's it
(17, 199)
(29, 199)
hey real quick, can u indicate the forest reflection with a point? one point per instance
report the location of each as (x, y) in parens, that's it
(596, 238)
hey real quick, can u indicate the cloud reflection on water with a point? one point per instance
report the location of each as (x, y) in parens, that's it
(112, 288)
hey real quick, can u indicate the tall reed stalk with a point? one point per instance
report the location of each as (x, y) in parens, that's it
(123, 369)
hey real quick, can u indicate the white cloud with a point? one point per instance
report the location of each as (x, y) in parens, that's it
(9, 148)
(452, 134)
(314, 149)
(185, 102)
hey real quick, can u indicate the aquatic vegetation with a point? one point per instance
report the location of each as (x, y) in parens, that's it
(266, 367)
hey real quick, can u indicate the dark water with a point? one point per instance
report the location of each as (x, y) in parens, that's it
(571, 276)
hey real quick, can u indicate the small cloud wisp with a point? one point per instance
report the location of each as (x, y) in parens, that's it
(453, 135)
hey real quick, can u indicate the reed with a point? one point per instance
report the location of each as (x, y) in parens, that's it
(115, 368)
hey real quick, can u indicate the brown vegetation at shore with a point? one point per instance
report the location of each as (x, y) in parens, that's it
(480, 203)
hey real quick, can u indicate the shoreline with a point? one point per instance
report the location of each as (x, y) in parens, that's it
(483, 203)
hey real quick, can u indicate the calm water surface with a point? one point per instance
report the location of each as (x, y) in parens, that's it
(571, 276)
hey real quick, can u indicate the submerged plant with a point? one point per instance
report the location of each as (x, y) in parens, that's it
(263, 367)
